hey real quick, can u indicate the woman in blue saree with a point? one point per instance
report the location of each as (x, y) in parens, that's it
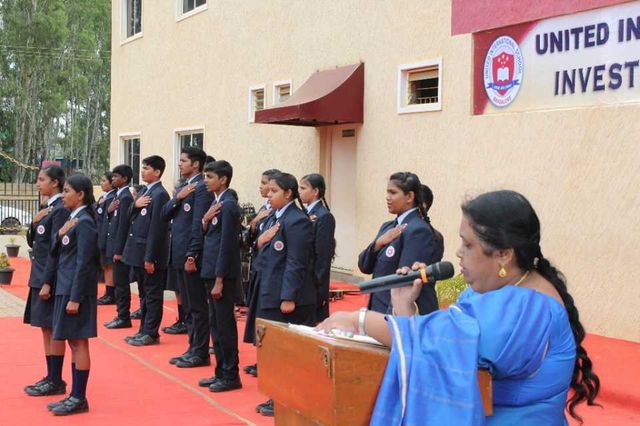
(516, 319)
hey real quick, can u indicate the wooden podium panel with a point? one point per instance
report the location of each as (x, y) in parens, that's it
(318, 380)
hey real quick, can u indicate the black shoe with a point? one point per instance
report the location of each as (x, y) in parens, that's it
(118, 323)
(134, 336)
(177, 327)
(267, 408)
(254, 371)
(247, 368)
(193, 361)
(144, 340)
(47, 388)
(52, 405)
(225, 385)
(106, 300)
(175, 359)
(205, 383)
(259, 407)
(137, 314)
(71, 405)
(36, 384)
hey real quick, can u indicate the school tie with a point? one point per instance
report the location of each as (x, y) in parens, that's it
(143, 190)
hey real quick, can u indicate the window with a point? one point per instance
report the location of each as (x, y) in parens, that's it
(131, 17)
(256, 101)
(192, 139)
(132, 156)
(281, 91)
(193, 136)
(419, 87)
(187, 8)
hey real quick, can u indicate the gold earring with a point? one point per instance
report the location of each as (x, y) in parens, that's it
(502, 272)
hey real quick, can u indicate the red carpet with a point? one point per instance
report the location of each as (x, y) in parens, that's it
(137, 386)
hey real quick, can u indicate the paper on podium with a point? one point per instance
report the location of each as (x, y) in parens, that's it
(336, 334)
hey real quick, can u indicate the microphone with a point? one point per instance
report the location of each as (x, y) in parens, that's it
(432, 273)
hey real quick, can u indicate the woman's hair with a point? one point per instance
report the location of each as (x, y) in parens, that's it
(271, 172)
(81, 183)
(56, 173)
(287, 182)
(410, 182)
(505, 219)
(317, 182)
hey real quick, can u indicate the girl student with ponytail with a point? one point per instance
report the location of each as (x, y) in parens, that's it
(517, 320)
(400, 242)
(75, 307)
(39, 309)
(312, 190)
(286, 290)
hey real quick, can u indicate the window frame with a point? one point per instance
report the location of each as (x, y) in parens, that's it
(252, 89)
(403, 79)
(124, 38)
(124, 138)
(177, 133)
(181, 15)
(276, 91)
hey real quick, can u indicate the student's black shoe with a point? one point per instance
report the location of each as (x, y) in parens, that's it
(193, 361)
(71, 405)
(177, 327)
(118, 323)
(175, 359)
(254, 371)
(47, 388)
(206, 382)
(36, 384)
(137, 314)
(259, 407)
(225, 385)
(247, 368)
(52, 405)
(267, 409)
(134, 336)
(106, 300)
(144, 340)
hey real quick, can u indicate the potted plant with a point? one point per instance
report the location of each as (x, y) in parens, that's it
(12, 247)
(6, 271)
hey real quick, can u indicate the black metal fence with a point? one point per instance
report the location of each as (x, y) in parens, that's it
(19, 202)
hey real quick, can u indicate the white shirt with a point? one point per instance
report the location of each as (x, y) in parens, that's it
(280, 212)
(119, 191)
(76, 211)
(53, 199)
(220, 196)
(151, 185)
(312, 205)
(191, 179)
(404, 215)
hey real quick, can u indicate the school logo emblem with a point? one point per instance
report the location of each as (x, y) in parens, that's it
(214, 221)
(187, 207)
(65, 240)
(278, 245)
(390, 251)
(40, 229)
(503, 67)
(99, 210)
(143, 212)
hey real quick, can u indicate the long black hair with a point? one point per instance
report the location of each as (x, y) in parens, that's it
(316, 181)
(56, 173)
(287, 181)
(410, 182)
(506, 219)
(80, 183)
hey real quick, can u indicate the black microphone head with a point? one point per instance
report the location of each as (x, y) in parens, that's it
(441, 271)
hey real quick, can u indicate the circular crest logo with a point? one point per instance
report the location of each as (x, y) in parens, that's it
(65, 240)
(40, 229)
(143, 212)
(99, 210)
(278, 245)
(187, 207)
(390, 251)
(214, 221)
(502, 73)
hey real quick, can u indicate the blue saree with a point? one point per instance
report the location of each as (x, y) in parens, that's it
(521, 336)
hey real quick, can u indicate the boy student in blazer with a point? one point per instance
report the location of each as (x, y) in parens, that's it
(147, 249)
(186, 210)
(287, 293)
(401, 242)
(312, 189)
(102, 221)
(39, 309)
(220, 269)
(116, 239)
(75, 307)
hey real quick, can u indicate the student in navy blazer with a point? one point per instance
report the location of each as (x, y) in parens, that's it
(102, 221)
(312, 190)
(401, 242)
(186, 210)
(75, 308)
(220, 269)
(147, 249)
(39, 309)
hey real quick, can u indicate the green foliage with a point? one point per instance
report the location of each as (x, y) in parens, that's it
(4, 261)
(449, 290)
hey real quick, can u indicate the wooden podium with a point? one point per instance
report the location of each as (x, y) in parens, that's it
(318, 380)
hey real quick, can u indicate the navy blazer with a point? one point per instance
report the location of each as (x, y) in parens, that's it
(415, 244)
(285, 267)
(78, 259)
(221, 247)
(148, 239)
(186, 228)
(324, 245)
(119, 224)
(102, 219)
(43, 266)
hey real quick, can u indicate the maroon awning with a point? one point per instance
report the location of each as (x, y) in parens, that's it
(327, 97)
